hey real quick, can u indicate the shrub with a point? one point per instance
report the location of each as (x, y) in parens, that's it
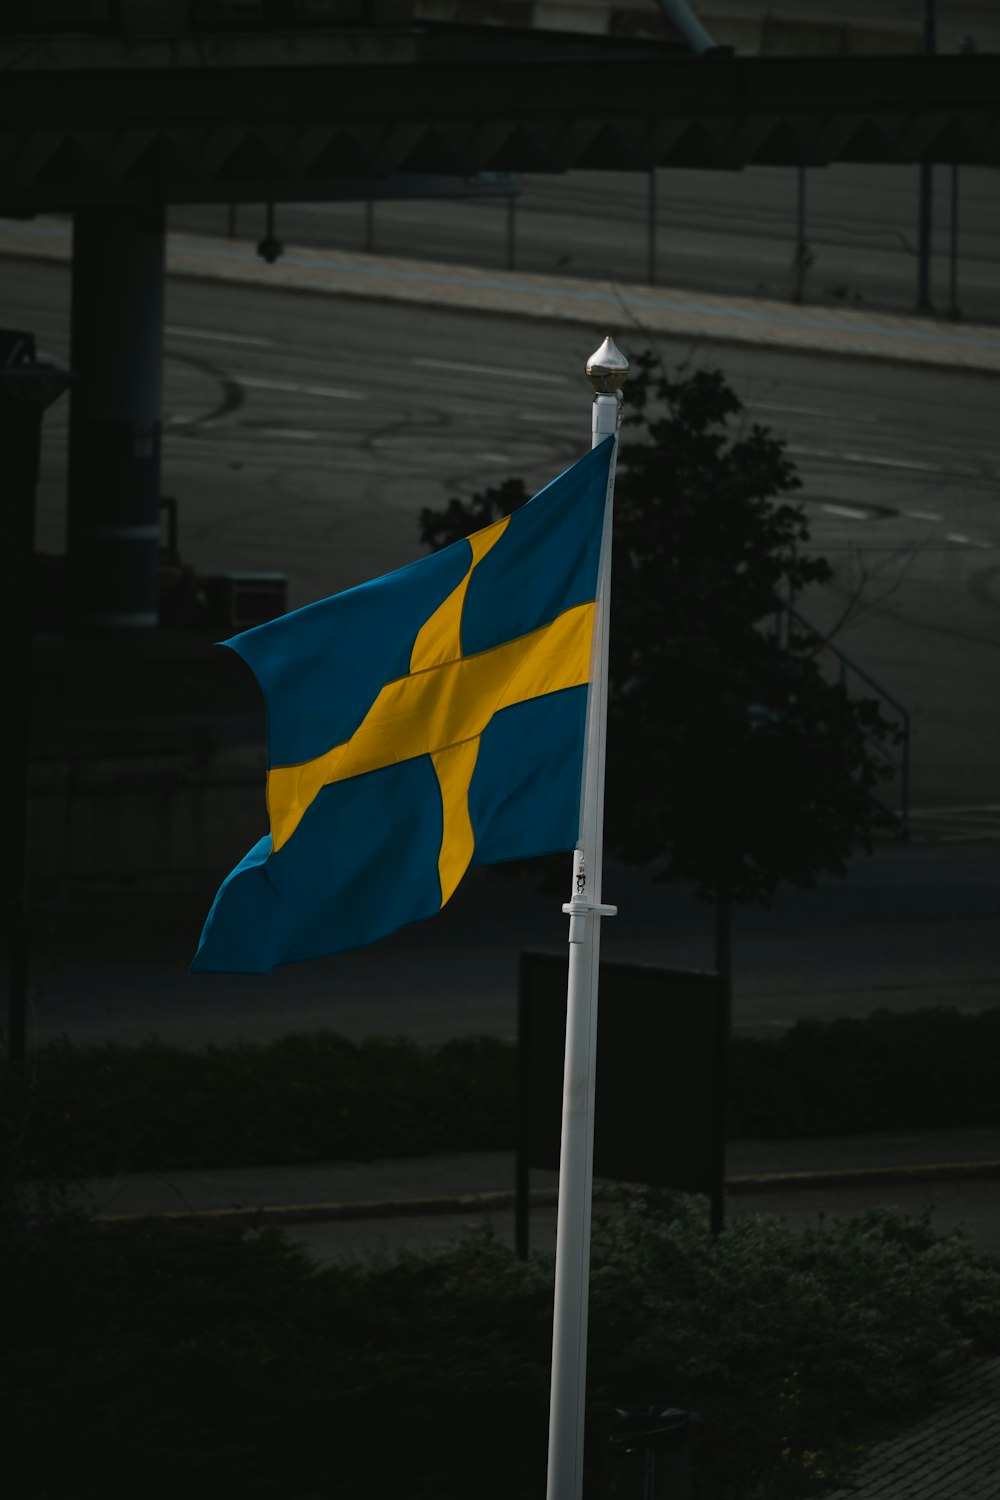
(888, 1071)
(221, 1359)
(90, 1110)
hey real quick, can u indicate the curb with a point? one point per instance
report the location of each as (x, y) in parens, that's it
(849, 1177)
(328, 1213)
(697, 318)
(469, 1203)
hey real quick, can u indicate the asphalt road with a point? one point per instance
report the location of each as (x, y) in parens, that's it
(911, 928)
(305, 435)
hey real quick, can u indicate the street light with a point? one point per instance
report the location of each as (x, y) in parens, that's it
(926, 185)
(966, 47)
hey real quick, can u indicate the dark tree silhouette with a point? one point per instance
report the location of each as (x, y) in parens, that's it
(733, 761)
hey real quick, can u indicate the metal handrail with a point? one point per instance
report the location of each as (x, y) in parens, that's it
(786, 611)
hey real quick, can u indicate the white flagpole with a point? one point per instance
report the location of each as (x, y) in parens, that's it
(607, 369)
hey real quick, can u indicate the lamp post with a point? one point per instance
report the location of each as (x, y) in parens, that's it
(966, 47)
(27, 389)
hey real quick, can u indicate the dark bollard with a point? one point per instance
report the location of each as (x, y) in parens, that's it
(650, 1458)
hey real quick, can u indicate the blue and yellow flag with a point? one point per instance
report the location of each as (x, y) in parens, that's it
(417, 724)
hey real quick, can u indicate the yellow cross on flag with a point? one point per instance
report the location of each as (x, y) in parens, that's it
(426, 721)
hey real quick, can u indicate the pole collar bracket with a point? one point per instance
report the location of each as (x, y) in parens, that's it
(578, 911)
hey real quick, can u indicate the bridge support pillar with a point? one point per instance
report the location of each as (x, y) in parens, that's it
(115, 409)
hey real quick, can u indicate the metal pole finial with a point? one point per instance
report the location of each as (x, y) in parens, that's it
(607, 368)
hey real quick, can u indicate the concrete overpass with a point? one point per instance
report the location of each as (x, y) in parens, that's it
(117, 122)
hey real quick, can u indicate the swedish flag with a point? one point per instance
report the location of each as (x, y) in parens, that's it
(423, 722)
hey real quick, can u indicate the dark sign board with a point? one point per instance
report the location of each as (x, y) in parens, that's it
(660, 1057)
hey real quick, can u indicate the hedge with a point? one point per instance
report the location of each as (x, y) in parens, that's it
(82, 1111)
(164, 1359)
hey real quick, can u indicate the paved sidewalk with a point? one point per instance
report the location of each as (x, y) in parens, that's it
(798, 1178)
(954, 1454)
(345, 1209)
(598, 304)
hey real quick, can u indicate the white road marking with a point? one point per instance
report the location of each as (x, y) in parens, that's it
(804, 411)
(219, 338)
(967, 541)
(955, 812)
(849, 511)
(460, 365)
(955, 825)
(335, 393)
(847, 457)
(923, 515)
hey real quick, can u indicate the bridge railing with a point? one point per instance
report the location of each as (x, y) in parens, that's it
(896, 753)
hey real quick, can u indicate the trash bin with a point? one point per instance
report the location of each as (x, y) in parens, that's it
(650, 1454)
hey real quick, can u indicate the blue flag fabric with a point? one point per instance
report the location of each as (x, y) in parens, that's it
(418, 724)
